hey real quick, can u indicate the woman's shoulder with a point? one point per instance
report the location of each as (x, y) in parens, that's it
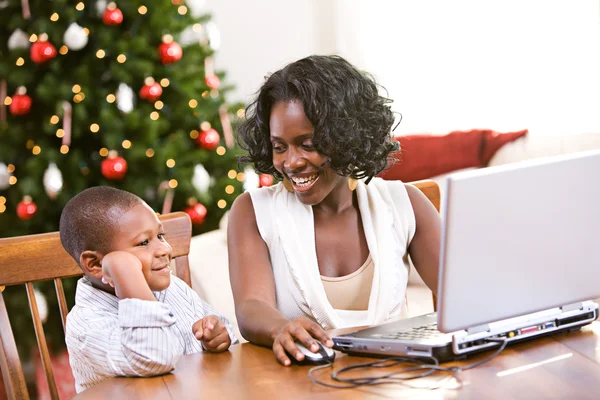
(394, 187)
(241, 208)
(252, 204)
(245, 201)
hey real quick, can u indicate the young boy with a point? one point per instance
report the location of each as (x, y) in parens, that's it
(131, 317)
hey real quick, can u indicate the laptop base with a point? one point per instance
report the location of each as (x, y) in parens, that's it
(405, 337)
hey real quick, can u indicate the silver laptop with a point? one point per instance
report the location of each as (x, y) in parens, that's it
(518, 260)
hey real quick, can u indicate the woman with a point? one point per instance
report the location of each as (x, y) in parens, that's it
(323, 249)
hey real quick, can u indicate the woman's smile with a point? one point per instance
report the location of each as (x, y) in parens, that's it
(303, 183)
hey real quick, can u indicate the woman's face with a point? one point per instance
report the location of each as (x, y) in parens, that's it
(295, 157)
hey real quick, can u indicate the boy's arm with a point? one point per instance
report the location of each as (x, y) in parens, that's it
(123, 271)
(203, 309)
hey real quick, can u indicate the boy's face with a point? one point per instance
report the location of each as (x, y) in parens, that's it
(140, 233)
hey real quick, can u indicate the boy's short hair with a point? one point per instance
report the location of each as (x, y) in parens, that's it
(89, 220)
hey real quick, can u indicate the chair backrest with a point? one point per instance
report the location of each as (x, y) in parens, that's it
(34, 258)
(432, 191)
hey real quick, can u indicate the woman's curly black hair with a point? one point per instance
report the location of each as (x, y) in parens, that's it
(352, 122)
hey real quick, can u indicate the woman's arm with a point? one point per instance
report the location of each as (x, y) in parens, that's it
(251, 275)
(424, 249)
(253, 287)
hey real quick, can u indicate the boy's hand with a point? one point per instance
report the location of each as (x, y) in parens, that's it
(123, 271)
(213, 334)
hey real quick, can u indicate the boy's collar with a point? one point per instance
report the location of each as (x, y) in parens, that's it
(89, 296)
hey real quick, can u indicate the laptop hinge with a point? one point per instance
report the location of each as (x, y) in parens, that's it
(479, 328)
(571, 307)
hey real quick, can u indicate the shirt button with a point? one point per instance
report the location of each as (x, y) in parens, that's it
(171, 314)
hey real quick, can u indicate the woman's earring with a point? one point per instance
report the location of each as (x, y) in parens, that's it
(352, 183)
(288, 185)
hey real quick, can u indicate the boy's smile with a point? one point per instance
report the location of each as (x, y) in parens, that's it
(140, 233)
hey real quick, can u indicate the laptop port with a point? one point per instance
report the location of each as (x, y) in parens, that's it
(418, 351)
(343, 345)
(577, 318)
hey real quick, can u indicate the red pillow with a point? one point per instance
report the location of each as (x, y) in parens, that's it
(423, 156)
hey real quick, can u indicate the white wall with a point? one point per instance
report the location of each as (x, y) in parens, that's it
(459, 64)
(258, 37)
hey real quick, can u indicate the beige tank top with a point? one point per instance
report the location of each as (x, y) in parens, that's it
(351, 292)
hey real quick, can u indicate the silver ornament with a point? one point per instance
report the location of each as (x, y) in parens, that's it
(196, 7)
(251, 179)
(75, 37)
(18, 40)
(42, 305)
(53, 181)
(101, 7)
(125, 98)
(213, 34)
(193, 34)
(4, 176)
(201, 179)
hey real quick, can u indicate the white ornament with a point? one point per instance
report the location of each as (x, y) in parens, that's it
(192, 34)
(53, 181)
(251, 179)
(101, 7)
(42, 304)
(201, 179)
(125, 98)
(75, 37)
(196, 7)
(214, 35)
(18, 40)
(4, 176)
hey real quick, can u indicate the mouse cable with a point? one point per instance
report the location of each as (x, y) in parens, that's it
(425, 366)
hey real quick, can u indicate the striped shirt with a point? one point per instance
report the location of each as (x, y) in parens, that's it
(109, 337)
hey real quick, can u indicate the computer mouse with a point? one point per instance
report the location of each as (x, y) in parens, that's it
(323, 356)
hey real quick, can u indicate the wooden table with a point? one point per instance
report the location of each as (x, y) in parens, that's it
(562, 366)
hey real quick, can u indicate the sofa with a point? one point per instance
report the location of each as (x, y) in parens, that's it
(208, 252)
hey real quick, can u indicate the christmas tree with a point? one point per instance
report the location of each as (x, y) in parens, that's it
(121, 94)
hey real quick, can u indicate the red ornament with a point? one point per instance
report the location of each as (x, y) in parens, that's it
(21, 102)
(169, 51)
(42, 50)
(265, 180)
(208, 139)
(213, 81)
(197, 213)
(151, 90)
(26, 208)
(112, 15)
(114, 167)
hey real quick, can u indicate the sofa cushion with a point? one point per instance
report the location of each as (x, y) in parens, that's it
(493, 141)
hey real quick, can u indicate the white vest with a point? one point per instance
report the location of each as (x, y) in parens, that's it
(287, 227)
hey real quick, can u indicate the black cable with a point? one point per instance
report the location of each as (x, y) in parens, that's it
(428, 366)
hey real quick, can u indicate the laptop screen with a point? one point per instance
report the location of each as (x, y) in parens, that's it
(519, 238)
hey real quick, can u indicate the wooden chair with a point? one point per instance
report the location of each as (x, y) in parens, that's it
(34, 258)
(432, 191)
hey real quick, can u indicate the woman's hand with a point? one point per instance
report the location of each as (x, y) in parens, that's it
(302, 330)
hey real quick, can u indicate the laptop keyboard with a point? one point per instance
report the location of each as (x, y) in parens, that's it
(429, 331)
